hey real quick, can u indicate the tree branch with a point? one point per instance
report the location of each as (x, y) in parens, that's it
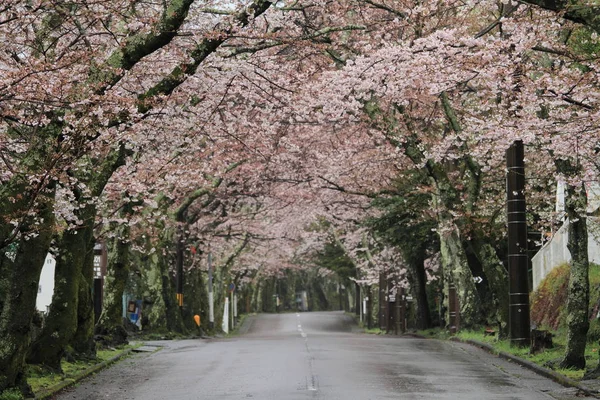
(139, 46)
(205, 48)
(386, 8)
(576, 11)
(187, 202)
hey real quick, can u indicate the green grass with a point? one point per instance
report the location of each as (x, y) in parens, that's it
(12, 394)
(40, 378)
(236, 330)
(374, 331)
(549, 358)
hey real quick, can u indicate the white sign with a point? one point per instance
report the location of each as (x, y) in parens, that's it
(225, 324)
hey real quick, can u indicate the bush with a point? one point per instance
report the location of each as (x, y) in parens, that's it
(549, 300)
(11, 394)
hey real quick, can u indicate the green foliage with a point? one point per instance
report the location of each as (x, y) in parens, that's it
(584, 41)
(40, 378)
(334, 258)
(405, 221)
(548, 302)
(374, 331)
(11, 394)
(548, 358)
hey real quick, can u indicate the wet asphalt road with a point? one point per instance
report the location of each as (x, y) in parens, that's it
(314, 356)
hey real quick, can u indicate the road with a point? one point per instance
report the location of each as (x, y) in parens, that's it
(314, 356)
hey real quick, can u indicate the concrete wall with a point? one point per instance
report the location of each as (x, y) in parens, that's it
(555, 251)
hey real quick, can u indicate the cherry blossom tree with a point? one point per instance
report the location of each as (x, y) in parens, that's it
(319, 106)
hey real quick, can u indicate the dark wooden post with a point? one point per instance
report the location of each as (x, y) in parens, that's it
(518, 262)
(357, 301)
(382, 301)
(179, 248)
(454, 309)
(401, 299)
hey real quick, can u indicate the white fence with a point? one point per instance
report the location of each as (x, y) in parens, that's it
(555, 252)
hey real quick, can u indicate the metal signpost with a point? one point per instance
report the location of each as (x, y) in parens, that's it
(211, 298)
(231, 290)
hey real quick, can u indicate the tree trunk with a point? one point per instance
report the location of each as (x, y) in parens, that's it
(457, 271)
(156, 307)
(419, 288)
(497, 278)
(83, 342)
(20, 286)
(196, 300)
(172, 311)
(110, 324)
(61, 323)
(579, 287)
(70, 320)
(357, 301)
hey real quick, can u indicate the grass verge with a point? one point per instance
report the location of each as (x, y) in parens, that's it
(548, 358)
(41, 379)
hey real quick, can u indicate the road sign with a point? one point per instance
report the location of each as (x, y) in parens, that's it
(231, 287)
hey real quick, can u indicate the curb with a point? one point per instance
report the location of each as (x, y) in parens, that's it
(46, 393)
(545, 372)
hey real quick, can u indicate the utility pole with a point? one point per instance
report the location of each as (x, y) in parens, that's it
(232, 309)
(518, 262)
(357, 300)
(179, 265)
(382, 300)
(369, 310)
(211, 298)
(453, 309)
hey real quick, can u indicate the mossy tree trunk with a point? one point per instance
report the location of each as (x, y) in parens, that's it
(449, 200)
(70, 321)
(196, 302)
(20, 281)
(497, 280)
(418, 283)
(110, 324)
(61, 323)
(172, 312)
(579, 287)
(155, 309)
(257, 295)
(164, 313)
(224, 278)
(457, 272)
(83, 343)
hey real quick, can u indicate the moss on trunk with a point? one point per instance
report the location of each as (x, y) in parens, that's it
(497, 279)
(195, 300)
(20, 286)
(418, 284)
(83, 341)
(578, 295)
(456, 271)
(61, 323)
(172, 314)
(110, 323)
